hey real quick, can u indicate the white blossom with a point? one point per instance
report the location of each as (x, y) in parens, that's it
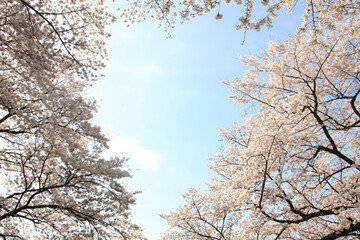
(291, 170)
(218, 16)
(55, 184)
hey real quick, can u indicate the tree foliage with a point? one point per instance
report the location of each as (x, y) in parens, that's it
(291, 170)
(168, 12)
(54, 182)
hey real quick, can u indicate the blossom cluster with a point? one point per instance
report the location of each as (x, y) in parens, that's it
(291, 169)
(54, 182)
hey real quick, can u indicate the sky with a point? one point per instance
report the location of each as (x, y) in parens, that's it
(162, 102)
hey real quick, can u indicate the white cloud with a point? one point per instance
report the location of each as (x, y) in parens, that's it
(152, 68)
(136, 70)
(143, 157)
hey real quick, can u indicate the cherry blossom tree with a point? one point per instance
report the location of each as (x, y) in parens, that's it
(291, 170)
(168, 12)
(54, 182)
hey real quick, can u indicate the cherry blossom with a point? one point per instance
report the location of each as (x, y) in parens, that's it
(54, 182)
(291, 169)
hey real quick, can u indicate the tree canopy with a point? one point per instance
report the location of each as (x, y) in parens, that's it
(54, 182)
(291, 169)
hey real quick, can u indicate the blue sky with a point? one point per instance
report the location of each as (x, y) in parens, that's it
(162, 102)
